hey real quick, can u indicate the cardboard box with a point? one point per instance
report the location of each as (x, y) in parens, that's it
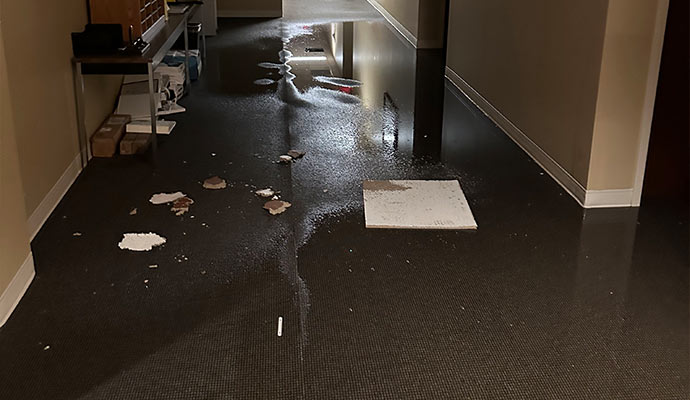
(134, 143)
(106, 139)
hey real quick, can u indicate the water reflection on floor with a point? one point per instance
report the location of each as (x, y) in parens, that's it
(372, 61)
(543, 301)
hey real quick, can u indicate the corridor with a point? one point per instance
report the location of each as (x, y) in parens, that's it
(545, 300)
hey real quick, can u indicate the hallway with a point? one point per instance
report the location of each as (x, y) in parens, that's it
(544, 301)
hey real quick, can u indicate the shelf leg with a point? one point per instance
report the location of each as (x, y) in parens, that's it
(81, 126)
(186, 57)
(152, 102)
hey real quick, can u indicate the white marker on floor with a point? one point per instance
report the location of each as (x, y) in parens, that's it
(280, 326)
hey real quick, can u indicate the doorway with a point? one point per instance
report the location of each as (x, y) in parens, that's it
(667, 174)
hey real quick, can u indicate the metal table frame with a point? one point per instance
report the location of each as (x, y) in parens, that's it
(127, 64)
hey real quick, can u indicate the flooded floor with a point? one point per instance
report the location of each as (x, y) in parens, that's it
(542, 301)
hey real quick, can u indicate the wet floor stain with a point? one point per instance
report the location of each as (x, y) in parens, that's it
(364, 314)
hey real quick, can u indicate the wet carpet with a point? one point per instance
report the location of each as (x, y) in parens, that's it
(544, 300)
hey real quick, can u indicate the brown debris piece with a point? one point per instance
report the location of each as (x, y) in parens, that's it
(215, 182)
(276, 207)
(386, 186)
(181, 205)
(296, 154)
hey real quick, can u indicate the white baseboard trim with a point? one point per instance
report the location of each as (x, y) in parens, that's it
(396, 24)
(51, 200)
(16, 289)
(609, 198)
(558, 173)
(586, 198)
(249, 14)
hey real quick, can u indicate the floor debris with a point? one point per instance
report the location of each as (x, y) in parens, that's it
(133, 212)
(296, 154)
(181, 205)
(215, 182)
(264, 82)
(285, 159)
(153, 266)
(141, 241)
(276, 207)
(416, 204)
(162, 198)
(265, 192)
(76, 234)
(280, 326)
(46, 347)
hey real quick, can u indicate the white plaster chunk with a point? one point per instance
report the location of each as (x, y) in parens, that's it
(141, 241)
(162, 198)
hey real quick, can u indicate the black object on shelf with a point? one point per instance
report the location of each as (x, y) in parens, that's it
(97, 39)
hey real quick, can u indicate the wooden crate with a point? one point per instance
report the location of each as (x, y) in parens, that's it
(141, 15)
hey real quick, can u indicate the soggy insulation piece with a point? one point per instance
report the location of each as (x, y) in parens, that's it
(181, 205)
(276, 207)
(215, 182)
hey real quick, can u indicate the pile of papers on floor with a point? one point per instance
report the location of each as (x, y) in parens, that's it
(175, 58)
(168, 88)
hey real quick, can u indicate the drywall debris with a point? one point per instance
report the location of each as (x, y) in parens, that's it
(280, 326)
(276, 207)
(146, 281)
(141, 241)
(162, 198)
(133, 212)
(275, 198)
(181, 205)
(285, 159)
(215, 182)
(296, 154)
(264, 82)
(76, 234)
(265, 192)
(153, 266)
(46, 347)
(213, 154)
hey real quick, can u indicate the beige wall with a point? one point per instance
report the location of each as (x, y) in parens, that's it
(538, 63)
(38, 47)
(404, 11)
(622, 93)
(572, 76)
(423, 19)
(14, 238)
(254, 8)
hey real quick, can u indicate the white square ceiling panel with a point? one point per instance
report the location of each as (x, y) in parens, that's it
(416, 205)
